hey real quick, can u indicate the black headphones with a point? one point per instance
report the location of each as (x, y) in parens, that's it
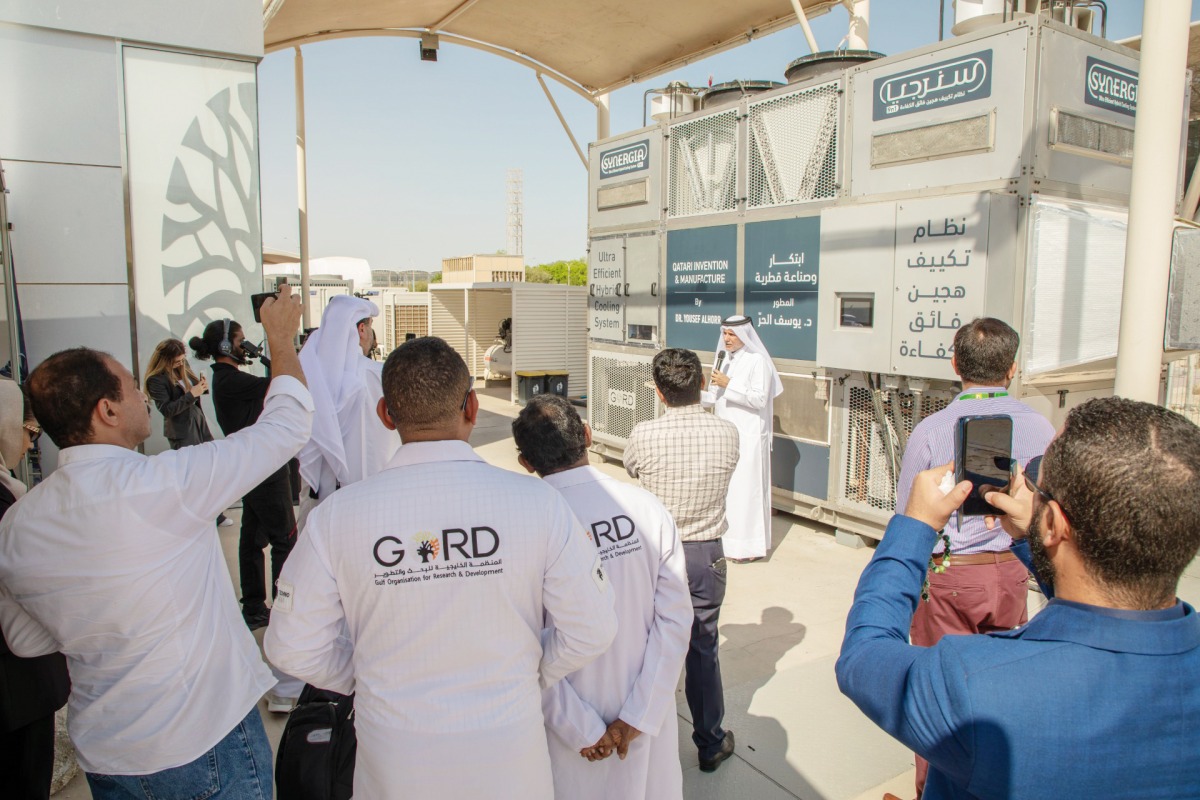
(225, 348)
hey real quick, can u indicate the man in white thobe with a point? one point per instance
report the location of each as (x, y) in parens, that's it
(743, 389)
(626, 697)
(424, 589)
(348, 442)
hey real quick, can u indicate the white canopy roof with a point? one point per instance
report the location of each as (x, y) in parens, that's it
(598, 45)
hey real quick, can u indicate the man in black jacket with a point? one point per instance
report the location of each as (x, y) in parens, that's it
(267, 514)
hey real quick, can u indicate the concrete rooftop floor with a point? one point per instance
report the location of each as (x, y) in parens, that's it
(781, 628)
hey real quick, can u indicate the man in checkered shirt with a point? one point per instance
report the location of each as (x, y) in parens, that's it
(686, 458)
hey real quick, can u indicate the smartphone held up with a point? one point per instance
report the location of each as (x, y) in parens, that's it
(983, 456)
(256, 303)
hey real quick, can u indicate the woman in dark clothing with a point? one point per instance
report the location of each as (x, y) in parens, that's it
(31, 689)
(176, 392)
(267, 513)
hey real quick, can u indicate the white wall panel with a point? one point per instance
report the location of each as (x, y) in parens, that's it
(61, 95)
(59, 317)
(192, 137)
(550, 331)
(1076, 272)
(223, 26)
(447, 318)
(576, 338)
(68, 222)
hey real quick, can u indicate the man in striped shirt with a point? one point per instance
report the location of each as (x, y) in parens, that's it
(983, 587)
(686, 458)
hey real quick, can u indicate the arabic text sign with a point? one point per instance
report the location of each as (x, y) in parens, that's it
(945, 83)
(1112, 87)
(941, 276)
(606, 274)
(701, 284)
(782, 270)
(624, 160)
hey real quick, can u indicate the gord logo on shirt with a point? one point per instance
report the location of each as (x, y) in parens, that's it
(616, 537)
(453, 553)
(428, 546)
(618, 530)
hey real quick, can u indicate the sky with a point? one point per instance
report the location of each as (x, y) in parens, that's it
(407, 160)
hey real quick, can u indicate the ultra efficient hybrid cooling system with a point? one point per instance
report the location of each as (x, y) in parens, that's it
(860, 217)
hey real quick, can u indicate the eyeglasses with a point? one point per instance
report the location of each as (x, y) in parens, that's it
(34, 432)
(1042, 493)
(467, 396)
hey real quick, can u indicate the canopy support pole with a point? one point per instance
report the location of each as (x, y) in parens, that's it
(302, 188)
(561, 119)
(1152, 199)
(808, 34)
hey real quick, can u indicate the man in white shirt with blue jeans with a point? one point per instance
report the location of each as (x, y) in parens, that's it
(114, 561)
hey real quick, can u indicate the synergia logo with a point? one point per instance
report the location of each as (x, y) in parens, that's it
(958, 80)
(623, 160)
(1112, 87)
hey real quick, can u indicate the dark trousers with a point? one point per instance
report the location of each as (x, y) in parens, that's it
(702, 668)
(27, 760)
(267, 518)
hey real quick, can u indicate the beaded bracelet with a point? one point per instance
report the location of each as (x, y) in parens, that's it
(935, 566)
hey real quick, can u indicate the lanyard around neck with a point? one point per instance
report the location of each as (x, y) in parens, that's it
(982, 396)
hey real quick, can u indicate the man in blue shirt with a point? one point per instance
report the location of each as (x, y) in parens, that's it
(1098, 695)
(983, 587)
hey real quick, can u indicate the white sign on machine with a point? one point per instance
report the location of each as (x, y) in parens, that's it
(941, 275)
(606, 279)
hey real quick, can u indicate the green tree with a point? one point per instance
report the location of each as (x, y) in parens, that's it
(435, 277)
(538, 275)
(572, 271)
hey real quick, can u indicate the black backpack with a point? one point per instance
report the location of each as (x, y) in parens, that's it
(317, 749)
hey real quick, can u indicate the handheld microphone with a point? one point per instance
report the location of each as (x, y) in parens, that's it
(720, 360)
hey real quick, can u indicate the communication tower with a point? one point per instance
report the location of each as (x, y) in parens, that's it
(516, 225)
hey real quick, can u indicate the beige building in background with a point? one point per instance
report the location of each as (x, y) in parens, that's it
(483, 269)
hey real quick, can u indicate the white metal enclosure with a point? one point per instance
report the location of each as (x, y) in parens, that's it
(548, 333)
(860, 220)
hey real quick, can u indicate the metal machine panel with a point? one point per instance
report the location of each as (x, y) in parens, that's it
(701, 284)
(1074, 282)
(941, 261)
(1087, 96)
(625, 180)
(948, 116)
(606, 281)
(643, 261)
(800, 446)
(794, 153)
(800, 467)
(703, 165)
(855, 302)
(781, 284)
(620, 394)
(868, 474)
